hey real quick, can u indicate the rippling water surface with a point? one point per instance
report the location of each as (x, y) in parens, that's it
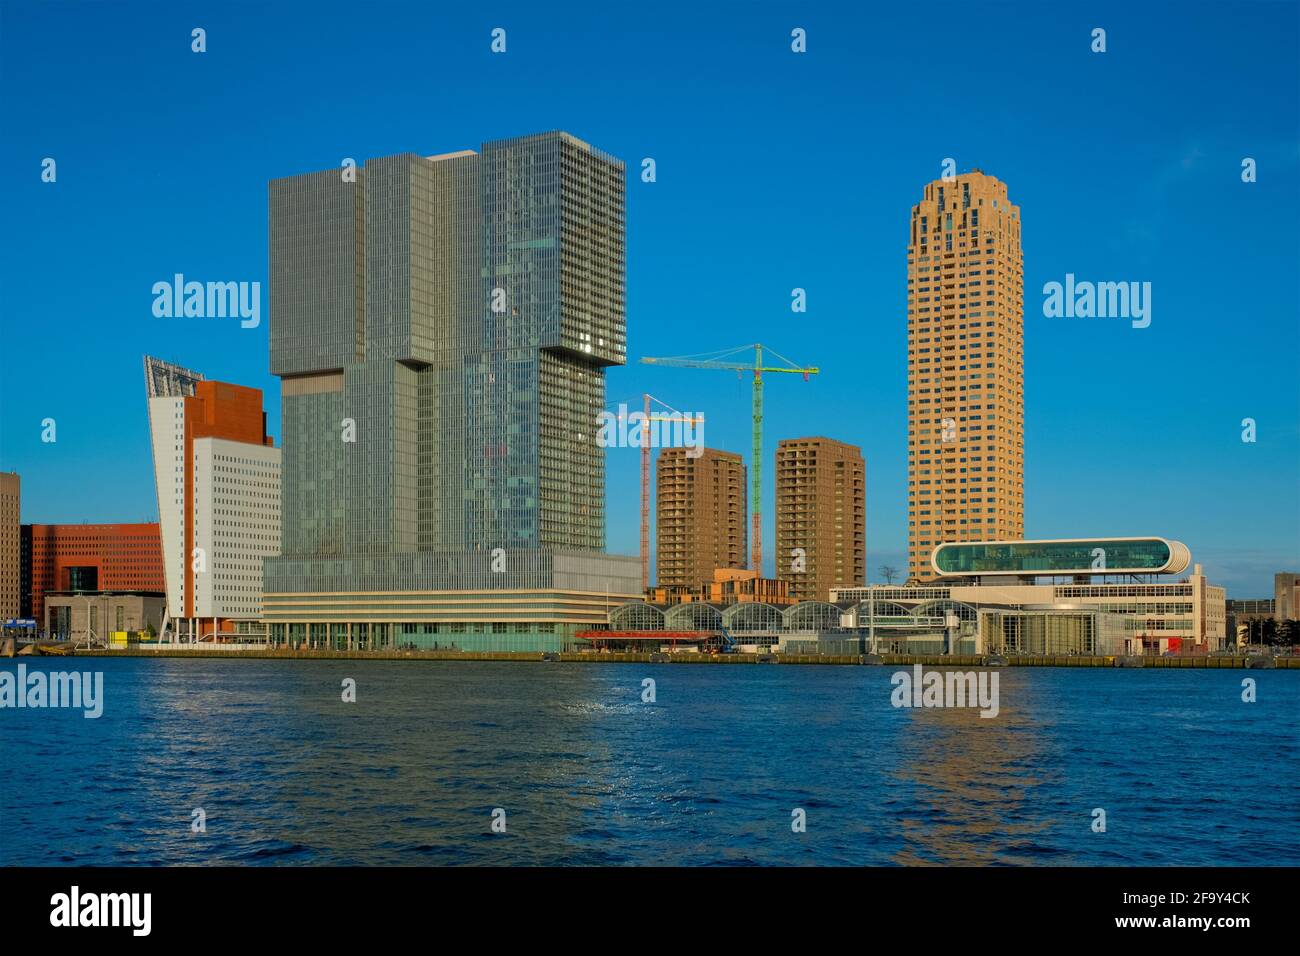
(588, 774)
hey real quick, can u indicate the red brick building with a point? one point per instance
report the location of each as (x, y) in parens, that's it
(88, 557)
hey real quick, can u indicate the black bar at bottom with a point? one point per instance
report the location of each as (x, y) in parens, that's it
(212, 905)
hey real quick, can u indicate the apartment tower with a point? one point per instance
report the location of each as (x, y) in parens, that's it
(441, 327)
(10, 561)
(821, 516)
(700, 523)
(965, 362)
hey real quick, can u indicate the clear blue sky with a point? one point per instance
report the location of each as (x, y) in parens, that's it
(775, 170)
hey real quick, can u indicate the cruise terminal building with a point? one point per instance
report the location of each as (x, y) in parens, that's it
(1086, 596)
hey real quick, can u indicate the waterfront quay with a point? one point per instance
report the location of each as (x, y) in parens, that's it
(1241, 661)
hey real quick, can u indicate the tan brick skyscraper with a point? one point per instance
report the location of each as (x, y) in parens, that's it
(699, 515)
(965, 368)
(10, 572)
(821, 508)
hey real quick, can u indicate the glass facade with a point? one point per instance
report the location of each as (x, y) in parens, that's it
(1051, 632)
(441, 327)
(1055, 557)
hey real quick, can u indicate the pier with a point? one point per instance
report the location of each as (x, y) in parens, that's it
(1238, 661)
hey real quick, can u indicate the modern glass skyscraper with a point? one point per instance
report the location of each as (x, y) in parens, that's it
(441, 326)
(965, 361)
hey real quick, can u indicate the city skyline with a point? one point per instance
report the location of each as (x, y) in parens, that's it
(1160, 459)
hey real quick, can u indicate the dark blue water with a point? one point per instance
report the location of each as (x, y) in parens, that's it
(588, 774)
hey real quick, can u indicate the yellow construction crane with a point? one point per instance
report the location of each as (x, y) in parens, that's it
(724, 360)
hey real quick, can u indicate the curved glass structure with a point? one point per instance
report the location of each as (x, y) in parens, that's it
(693, 616)
(753, 616)
(881, 609)
(941, 608)
(636, 616)
(1083, 556)
(812, 616)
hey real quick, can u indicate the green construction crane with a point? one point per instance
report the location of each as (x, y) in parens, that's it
(724, 360)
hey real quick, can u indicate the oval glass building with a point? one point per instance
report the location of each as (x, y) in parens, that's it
(1062, 557)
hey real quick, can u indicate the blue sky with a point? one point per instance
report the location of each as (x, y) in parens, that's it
(775, 171)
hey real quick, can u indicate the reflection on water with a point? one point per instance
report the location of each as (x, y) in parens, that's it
(587, 774)
(976, 781)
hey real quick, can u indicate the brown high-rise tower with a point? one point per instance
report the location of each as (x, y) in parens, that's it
(821, 516)
(699, 515)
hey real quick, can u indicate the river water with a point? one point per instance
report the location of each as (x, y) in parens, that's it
(582, 771)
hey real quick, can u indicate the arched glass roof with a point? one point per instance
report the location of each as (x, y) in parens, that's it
(636, 616)
(753, 616)
(693, 616)
(940, 609)
(812, 616)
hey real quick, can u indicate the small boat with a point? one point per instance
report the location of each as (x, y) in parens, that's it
(1259, 662)
(551, 657)
(54, 650)
(995, 660)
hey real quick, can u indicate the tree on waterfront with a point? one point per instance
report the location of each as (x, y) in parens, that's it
(1272, 633)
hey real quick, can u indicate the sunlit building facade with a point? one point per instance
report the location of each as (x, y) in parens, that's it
(1091, 595)
(965, 356)
(86, 558)
(217, 477)
(821, 516)
(700, 514)
(10, 547)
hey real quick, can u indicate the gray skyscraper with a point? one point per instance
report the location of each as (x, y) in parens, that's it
(441, 327)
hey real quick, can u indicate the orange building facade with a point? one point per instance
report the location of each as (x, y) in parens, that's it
(89, 557)
(216, 410)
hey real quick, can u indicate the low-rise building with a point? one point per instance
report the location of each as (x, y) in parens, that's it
(1092, 595)
(98, 616)
(1242, 613)
(1286, 596)
(728, 586)
(88, 557)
